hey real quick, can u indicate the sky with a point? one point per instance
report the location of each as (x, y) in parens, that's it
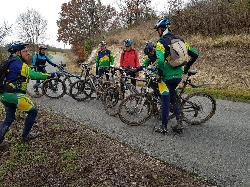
(49, 10)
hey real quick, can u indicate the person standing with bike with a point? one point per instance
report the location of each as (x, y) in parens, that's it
(104, 59)
(170, 75)
(14, 95)
(130, 59)
(39, 59)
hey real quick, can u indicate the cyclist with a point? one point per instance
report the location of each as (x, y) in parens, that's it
(14, 97)
(130, 59)
(171, 76)
(40, 59)
(150, 60)
(104, 59)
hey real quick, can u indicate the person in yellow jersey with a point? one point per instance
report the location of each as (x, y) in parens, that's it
(171, 76)
(104, 59)
(14, 96)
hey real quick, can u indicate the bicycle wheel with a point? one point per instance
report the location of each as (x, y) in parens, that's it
(115, 97)
(102, 89)
(110, 100)
(198, 107)
(34, 89)
(79, 89)
(54, 88)
(135, 109)
(111, 96)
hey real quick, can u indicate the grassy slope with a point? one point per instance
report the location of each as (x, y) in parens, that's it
(223, 60)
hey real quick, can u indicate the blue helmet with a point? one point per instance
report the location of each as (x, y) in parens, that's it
(127, 42)
(162, 23)
(16, 46)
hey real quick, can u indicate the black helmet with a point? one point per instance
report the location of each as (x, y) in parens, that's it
(102, 43)
(42, 47)
(148, 48)
(16, 46)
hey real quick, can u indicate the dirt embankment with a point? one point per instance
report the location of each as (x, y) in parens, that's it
(224, 65)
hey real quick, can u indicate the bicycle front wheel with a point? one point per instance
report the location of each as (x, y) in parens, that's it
(79, 90)
(135, 109)
(197, 108)
(54, 88)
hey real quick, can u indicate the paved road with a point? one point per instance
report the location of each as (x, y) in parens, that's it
(218, 150)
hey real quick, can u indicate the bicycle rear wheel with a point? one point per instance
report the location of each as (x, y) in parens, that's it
(54, 88)
(34, 89)
(197, 108)
(79, 89)
(135, 109)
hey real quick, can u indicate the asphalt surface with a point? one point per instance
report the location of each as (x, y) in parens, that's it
(218, 150)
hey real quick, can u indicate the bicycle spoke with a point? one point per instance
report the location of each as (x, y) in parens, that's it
(54, 88)
(135, 109)
(198, 107)
(77, 90)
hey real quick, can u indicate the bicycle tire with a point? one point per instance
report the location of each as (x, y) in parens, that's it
(34, 90)
(135, 109)
(54, 88)
(197, 108)
(115, 96)
(77, 90)
(103, 88)
(111, 96)
(110, 100)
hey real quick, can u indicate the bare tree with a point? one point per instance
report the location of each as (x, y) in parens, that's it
(4, 31)
(175, 6)
(31, 27)
(133, 11)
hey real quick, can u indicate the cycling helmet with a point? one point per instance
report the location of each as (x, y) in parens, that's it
(162, 23)
(16, 46)
(42, 47)
(127, 42)
(148, 48)
(102, 43)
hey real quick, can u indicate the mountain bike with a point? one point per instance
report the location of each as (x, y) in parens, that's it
(92, 87)
(196, 108)
(118, 90)
(52, 88)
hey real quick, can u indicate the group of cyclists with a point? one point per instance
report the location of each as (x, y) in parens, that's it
(156, 55)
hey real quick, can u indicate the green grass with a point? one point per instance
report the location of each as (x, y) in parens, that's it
(237, 95)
